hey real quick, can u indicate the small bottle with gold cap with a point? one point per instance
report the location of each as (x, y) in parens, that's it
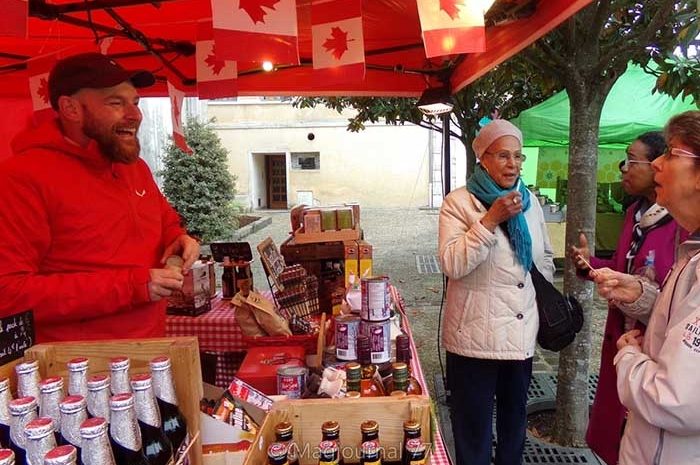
(330, 431)
(370, 448)
(277, 454)
(411, 433)
(285, 435)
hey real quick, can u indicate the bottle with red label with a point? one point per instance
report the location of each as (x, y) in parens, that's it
(411, 434)
(370, 447)
(285, 435)
(277, 454)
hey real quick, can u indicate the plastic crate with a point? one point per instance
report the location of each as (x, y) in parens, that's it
(307, 341)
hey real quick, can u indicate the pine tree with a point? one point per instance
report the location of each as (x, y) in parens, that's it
(200, 186)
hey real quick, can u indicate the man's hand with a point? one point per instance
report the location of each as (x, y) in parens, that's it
(502, 209)
(185, 246)
(163, 282)
(631, 338)
(575, 253)
(613, 285)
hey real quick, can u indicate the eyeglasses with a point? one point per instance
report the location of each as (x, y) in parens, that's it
(680, 153)
(504, 156)
(626, 163)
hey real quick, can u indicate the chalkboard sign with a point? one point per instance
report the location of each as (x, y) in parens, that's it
(16, 335)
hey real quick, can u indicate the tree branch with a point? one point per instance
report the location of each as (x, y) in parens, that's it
(532, 56)
(548, 50)
(602, 14)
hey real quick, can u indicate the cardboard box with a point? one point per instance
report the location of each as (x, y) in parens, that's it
(308, 415)
(352, 262)
(365, 259)
(194, 298)
(184, 357)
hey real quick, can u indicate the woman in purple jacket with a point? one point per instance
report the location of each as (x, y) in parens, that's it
(646, 246)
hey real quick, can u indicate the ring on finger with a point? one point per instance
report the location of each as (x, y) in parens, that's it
(515, 200)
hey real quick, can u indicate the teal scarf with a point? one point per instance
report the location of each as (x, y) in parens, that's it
(487, 191)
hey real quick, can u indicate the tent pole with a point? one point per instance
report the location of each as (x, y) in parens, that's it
(446, 157)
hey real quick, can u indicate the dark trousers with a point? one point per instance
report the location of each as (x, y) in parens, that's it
(473, 384)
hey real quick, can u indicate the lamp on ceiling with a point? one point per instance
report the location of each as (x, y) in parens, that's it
(435, 101)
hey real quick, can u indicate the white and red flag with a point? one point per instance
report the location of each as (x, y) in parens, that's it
(337, 39)
(452, 26)
(216, 77)
(256, 30)
(177, 96)
(38, 69)
(13, 20)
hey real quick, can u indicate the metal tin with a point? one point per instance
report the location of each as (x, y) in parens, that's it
(291, 381)
(346, 330)
(376, 299)
(379, 334)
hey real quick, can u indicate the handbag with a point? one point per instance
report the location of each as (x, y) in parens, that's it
(561, 317)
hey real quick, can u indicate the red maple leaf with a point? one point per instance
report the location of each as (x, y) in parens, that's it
(214, 63)
(451, 7)
(254, 8)
(337, 43)
(43, 90)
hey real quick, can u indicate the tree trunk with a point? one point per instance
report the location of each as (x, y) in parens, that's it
(572, 388)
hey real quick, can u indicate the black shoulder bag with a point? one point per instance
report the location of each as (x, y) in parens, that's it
(561, 317)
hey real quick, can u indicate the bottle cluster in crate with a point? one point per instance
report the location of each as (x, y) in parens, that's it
(116, 419)
(286, 451)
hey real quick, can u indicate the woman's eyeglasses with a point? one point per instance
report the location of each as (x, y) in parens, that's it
(680, 153)
(503, 157)
(626, 163)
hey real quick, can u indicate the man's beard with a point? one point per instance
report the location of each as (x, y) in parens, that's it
(109, 142)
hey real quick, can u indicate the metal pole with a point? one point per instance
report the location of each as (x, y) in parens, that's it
(446, 157)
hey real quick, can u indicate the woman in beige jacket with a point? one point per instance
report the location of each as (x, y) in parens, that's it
(490, 233)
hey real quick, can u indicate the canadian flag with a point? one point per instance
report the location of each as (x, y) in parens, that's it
(38, 69)
(256, 30)
(13, 20)
(337, 40)
(216, 77)
(176, 98)
(452, 26)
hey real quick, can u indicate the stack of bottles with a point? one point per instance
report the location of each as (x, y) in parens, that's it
(101, 420)
(285, 450)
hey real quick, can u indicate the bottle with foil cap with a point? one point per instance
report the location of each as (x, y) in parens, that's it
(398, 381)
(5, 398)
(7, 457)
(353, 375)
(98, 396)
(124, 431)
(329, 453)
(95, 443)
(156, 445)
(173, 421)
(28, 379)
(119, 375)
(22, 411)
(403, 354)
(330, 431)
(411, 434)
(50, 396)
(77, 376)
(40, 439)
(277, 454)
(284, 433)
(62, 455)
(73, 414)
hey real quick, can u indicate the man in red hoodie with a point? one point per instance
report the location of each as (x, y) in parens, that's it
(84, 228)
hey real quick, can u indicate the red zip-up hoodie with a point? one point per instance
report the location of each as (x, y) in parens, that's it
(78, 235)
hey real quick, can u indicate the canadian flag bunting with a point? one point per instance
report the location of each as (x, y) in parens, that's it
(38, 70)
(452, 26)
(337, 40)
(216, 77)
(176, 98)
(13, 20)
(256, 30)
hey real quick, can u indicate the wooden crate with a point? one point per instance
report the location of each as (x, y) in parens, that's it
(301, 237)
(307, 416)
(183, 353)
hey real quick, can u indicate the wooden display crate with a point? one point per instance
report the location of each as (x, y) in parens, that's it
(301, 237)
(307, 416)
(184, 357)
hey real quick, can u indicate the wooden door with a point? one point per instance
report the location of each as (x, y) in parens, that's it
(276, 168)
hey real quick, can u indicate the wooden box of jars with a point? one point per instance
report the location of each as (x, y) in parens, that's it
(182, 351)
(307, 416)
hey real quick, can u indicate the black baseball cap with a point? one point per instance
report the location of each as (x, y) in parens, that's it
(94, 71)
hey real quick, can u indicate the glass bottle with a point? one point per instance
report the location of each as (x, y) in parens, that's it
(28, 379)
(227, 285)
(174, 422)
(370, 440)
(330, 431)
(329, 453)
(96, 449)
(285, 435)
(124, 430)
(416, 452)
(62, 455)
(277, 454)
(370, 453)
(7, 457)
(50, 396)
(370, 384)
(398, 381)
(22, 411)
(98, 396)
(411, 433)
(40, 439)
(119, 375)
(353, 375)
(77, 376)
(156, 445)
(73, 414)
(5, 398)
(403, 354)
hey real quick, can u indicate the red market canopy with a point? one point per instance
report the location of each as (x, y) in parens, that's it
(160, 36)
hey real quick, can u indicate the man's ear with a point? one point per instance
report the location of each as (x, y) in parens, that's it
(70, 108)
